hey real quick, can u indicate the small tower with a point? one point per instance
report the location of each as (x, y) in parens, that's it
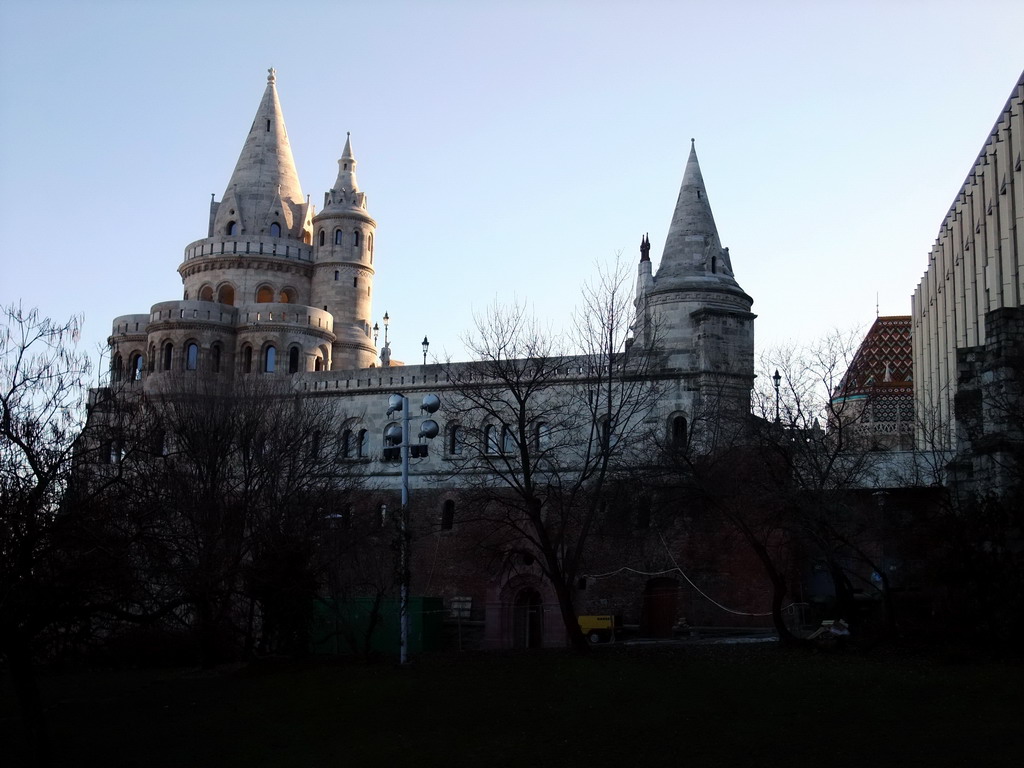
(343, 234)
(697, 313)
(246, 305)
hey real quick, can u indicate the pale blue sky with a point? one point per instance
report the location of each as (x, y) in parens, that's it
(505, 147)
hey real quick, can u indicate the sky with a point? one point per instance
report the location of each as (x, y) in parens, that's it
(506, 148)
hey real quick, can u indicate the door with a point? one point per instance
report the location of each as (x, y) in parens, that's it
(526, 620)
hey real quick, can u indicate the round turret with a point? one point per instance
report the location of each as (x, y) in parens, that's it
(342, 283)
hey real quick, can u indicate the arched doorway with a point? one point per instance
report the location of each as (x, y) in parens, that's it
(527, 615)
(659, 609)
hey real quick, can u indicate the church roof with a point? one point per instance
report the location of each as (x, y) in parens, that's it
(884, 362)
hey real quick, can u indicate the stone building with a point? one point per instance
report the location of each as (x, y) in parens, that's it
(279, 289)
(975, 267)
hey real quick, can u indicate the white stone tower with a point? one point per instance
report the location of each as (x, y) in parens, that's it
(246, 307)
(343, 277)
(692, 309)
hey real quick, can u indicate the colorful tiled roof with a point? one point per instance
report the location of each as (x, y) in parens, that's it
(884, 361)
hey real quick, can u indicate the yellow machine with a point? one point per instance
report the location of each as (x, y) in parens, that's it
(598, 629)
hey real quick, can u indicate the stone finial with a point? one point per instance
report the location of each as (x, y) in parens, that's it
(645, 248)
(271, 75)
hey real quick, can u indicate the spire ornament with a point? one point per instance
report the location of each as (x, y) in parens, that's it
(271, 75)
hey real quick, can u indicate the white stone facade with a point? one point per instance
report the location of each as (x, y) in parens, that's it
(278, 289)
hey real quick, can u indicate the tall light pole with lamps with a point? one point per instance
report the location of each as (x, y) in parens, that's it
(398, 437)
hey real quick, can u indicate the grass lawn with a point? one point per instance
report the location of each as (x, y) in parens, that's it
(690, 705)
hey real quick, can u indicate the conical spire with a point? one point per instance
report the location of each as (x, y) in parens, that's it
(345, 193)
(692, 246)
(347, 168)
(264, 179)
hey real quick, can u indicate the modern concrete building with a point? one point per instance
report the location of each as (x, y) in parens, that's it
(974, 268)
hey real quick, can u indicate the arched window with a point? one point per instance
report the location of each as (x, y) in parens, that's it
(247, 359)
(116, 368)
(543, 436)
(287, 296)
(346, 444)
(337, 237)
(270, 359)
(264, 295)
(318, 363)
(168, 351)
(275, 230)
(226, 294)
(369, 243)
(215, 358)
(322, 237)
(152, 358)
(138, 364)
(206, 293)
(363, 449)
(232, 228)
(456, 440)
(355, 237)
(448, 515)
(492, 440)
(508, 441)
(337, 274)
(678, 435)
(293, 360)
(191, 356)
(158, 442)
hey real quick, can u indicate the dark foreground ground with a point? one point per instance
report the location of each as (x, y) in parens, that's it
(693, 705)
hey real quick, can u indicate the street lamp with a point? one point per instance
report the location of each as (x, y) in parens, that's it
(426, 346)
(385, 353)
(776, 379)
(429, 430)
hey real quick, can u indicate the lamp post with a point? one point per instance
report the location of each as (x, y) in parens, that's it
(385, 353)
(426, 346)
(429, 430)
(776, 379)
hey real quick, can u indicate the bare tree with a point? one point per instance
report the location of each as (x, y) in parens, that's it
(229, 503)
(536, 434)
(812, 432)
(42, 405)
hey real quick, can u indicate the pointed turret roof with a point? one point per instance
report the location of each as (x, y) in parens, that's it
(692, 241)
(265, 179)
(347, 168)
(345, 196)
(266, 164)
